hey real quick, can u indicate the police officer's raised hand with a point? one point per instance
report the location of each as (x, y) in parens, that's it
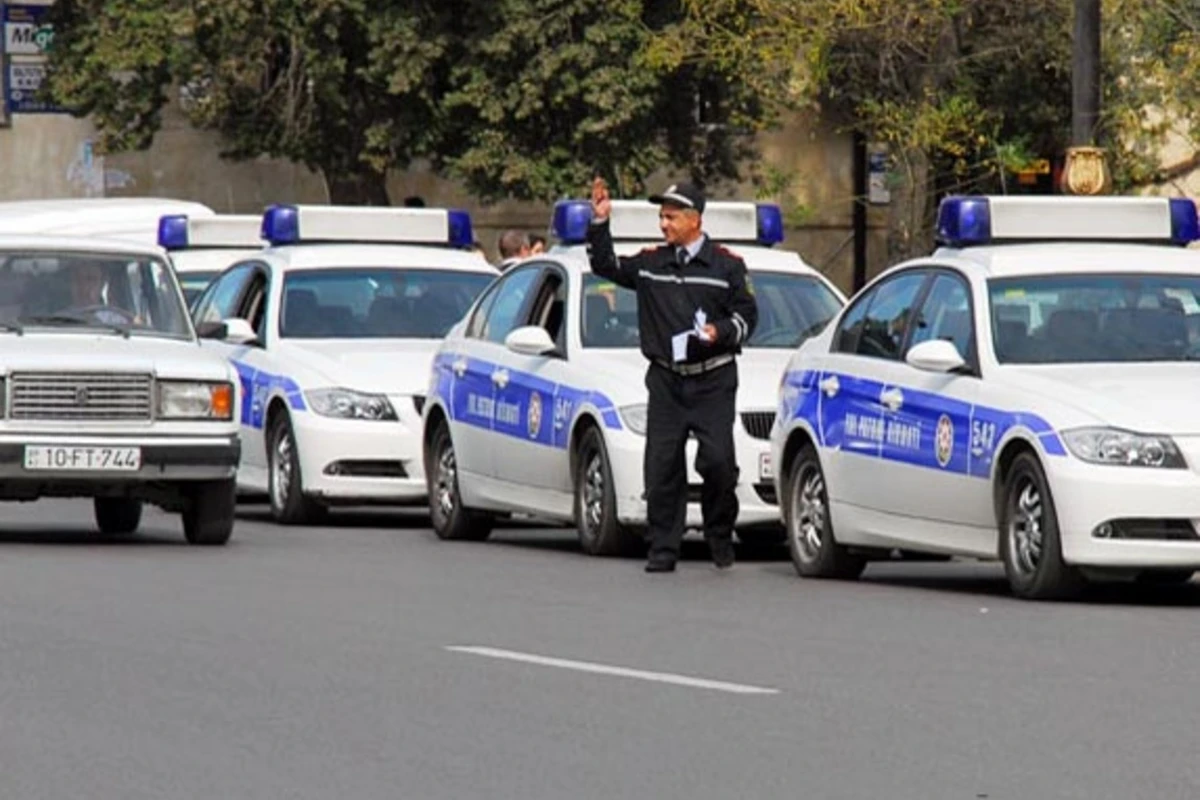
(601, 202)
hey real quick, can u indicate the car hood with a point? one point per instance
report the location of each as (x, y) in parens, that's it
(1147, 398)
(109, 352)
(381, 366)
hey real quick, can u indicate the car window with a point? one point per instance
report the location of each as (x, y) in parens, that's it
(220, 301)
(946, 314)
(376, 302)
(1082, 318)
(547, 310)
(504, 315)
(478, 323)
(193, 283)
(888, 317)
(850, 326)
(609, 316)
(791, 308)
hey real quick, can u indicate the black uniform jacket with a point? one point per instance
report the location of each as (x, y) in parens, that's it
(669, 295)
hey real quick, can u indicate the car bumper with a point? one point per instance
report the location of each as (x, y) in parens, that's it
(174, 458)
(1152, 517)
(755, 493)
(360, 462)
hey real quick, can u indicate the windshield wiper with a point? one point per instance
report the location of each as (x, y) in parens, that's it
(68, 319)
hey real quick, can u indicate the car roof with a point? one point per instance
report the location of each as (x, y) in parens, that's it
(1057, 258)
(79, 244)
(349, 255)
(210, 259)
(134, 218)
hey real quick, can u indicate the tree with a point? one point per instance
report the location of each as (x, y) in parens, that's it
(962, 91)
(350, 88)
(555, 90)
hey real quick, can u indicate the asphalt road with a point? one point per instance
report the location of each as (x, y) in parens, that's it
(315, 663)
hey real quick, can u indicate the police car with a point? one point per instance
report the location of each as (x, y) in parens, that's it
(133, 219)
(1026, 393)
(201, 247)
(537, 401)
(332, 329)
(105, 392)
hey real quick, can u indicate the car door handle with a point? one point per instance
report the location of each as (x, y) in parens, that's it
(459, 367)
(892, 398)
(830, 385)
(500, 378)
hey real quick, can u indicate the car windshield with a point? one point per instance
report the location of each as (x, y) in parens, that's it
(376, 303)
(194, 284)
(129, 294)
(1071, 319)
(791, 308)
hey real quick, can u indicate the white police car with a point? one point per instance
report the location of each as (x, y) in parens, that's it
(332, 329)
(105, 391)
(537, 401)
(201, 247)
(1026, 393)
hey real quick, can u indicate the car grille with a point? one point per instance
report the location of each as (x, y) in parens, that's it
(83, 396)
(758, 423)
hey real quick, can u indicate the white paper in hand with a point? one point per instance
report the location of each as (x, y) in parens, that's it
(701, 321)
(679, 343)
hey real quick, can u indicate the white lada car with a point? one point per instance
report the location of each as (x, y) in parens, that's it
(1032, 401)
(332, 330)
(105, 391)
(202, 247)
(537, 401)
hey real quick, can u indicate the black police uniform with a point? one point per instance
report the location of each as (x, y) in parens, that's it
(697, 395)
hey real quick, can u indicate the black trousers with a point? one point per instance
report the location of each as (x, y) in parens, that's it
(703, 405)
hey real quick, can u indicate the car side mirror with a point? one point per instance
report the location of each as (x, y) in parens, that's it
(935, 355)
(530, 340)
(233, 331)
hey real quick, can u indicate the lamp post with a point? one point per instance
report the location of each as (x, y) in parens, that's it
(1085, 171)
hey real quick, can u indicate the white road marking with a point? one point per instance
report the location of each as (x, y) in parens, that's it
(605, 669)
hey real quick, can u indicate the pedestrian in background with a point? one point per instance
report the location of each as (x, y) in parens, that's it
(696, 308)
(513, 247)
(537, 244)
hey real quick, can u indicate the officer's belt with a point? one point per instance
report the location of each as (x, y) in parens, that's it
(697, 368)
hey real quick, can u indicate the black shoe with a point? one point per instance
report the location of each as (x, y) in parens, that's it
(722, 552)
(660, 565)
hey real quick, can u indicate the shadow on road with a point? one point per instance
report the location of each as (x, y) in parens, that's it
(86, 538)
(565, 540)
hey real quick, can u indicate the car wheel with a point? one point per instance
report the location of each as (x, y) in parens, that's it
(450, 519)
(117, 516)
(285, 483)
(596, 502)
(815, 551)
(208, 512)
(1030, 546)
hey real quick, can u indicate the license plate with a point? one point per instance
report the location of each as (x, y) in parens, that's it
(83, 459)
(765, 472)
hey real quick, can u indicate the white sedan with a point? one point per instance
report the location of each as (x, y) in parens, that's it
(537, 401)
(332, 330)
(1027, 393)
(202, 247)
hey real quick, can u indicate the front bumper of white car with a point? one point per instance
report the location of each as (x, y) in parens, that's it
(1128, 517)
(362, 462)
(755, 489)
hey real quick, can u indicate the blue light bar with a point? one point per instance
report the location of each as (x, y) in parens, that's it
(281, 225)
(1185, 227)
(964, 221)
(173, 231)
(461, 232)
(770, 224)
(571, 221)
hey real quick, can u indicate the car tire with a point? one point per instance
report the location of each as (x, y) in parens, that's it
(600, 534)
(809, 529)
(451, 521)
(285, 481)
(208, 512)
(1030, 546)
(117, 516)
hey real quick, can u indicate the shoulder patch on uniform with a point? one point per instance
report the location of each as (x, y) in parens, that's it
(725, 251)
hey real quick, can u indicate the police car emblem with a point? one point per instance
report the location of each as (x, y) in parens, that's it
(943, 441)
(533, 418)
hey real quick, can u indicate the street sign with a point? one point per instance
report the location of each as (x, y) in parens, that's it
(22, 83)
(25, 30)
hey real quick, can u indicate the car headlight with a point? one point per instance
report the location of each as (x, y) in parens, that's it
(195, 400)
(349, 404)
(1122, 448)
(634, 418)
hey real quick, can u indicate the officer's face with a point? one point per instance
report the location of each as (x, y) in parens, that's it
(679, 226)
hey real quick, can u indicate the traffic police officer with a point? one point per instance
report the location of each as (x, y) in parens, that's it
(696, 309)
